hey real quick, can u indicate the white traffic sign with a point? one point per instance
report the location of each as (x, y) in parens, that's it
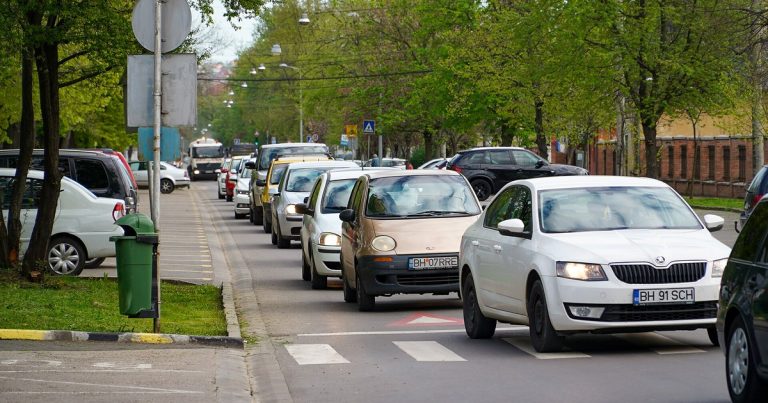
(369, 127)
(176, 25)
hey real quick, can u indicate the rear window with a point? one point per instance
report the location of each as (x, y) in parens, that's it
(91, 174)
(31, 197)
(337, 195)
(758, 184)
(268, 154)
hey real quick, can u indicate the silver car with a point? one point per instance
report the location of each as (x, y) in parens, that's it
(294, 187)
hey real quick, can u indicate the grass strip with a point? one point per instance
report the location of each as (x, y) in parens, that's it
(716, 202)
(91, 305)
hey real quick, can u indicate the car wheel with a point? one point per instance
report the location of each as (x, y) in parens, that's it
(94, 263)
(66, 256)
(740, 369)
(258, 216)
(482, 188)
(475, 323)
(318, 282)
(166, 186)
(229, 198)
(712, 334)
(544, 338)
(282, 242)
(239, 216)
(365, 302)
(305, 275)
(250, 215)
(266, 223)
(273, 235)
(349, 293)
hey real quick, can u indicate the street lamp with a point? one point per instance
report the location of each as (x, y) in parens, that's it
(276, 50)
(304, 20)
(254, 71)
(262, 67)
(301, 106)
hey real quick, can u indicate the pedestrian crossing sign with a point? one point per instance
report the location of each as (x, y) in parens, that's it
(369, 127)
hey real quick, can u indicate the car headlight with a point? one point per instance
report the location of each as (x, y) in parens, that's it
(197, 171)
(718, 266)
(330, 239)
(581, 271)
(290, 209)
(242, 192)
(383, 243)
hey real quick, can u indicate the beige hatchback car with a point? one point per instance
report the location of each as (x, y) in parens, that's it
(401, 234)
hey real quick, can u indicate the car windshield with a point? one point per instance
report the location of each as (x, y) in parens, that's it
(420, 196)
(613, 208)
(302, 179)
(269, 154)
(235, 165)
(246, 173)
(337, 195)
(277, 173)
(208, 152)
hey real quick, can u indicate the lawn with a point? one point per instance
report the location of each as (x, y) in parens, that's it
(86, 304)
(716, 202)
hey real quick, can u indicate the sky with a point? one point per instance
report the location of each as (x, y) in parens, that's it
(236, 39)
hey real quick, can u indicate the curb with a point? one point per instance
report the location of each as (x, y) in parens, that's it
(728, 209)
(142, 338)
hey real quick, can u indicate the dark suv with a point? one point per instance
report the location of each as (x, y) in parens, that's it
(742, 317)
(755, 192)
(488, 169)
(103, 174)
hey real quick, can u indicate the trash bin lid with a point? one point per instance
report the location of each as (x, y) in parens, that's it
(135, 224)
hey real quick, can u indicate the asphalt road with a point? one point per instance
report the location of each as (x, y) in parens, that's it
(413, 348)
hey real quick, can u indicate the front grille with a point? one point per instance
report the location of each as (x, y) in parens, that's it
(208, 166)
(332, 265)
(428, 279)
(296, 231)
(647, 274)
(632, 313)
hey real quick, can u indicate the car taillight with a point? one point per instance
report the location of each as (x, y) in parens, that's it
(455, 168)
(756, 198)
(118, 211)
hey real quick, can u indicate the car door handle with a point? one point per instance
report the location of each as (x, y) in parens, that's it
(475, 243)
(497, 248)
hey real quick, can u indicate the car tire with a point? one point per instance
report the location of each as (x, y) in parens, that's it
(266, 223)
(482, 188)
(282, 242)
(230, 198)
(365, 302)
(477, 325)
(349, 294)
(544, 338)
(273, 235)
(258, 216)
(305, 274)
(239, 216)
(712, 334)
(250, 215)
(319, 282)
(166, 186)
(94, 263)
(218, 192)
(744, 385)
(66, 256)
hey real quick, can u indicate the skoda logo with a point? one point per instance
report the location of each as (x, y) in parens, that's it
(660, 260)
(430, 248)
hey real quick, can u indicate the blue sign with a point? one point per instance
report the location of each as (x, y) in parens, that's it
(170, 143)
(369, 126)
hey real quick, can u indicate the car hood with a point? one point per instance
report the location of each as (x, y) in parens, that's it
(605, 247)
(560, 169)
(243, 183)
(425, 235)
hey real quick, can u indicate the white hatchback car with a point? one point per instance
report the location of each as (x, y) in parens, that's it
(81, 228)
(242, 196)
(594, 254)
(170, 176)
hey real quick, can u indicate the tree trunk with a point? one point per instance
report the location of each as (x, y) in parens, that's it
(507, 134)
(541, 138)
(696, 156)
(429, 144)
(758, 153)
(47, 59)
(649, 133)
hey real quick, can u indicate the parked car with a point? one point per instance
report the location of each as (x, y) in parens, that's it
(320, 234)
(82, 225)
(387, 163)
(266, 154)
(742, 319)
(401, 234)
(488, 169)
(755, 192)
(221, 180)
(123, 161)
(294, 187)
(170, 176)
(102, 174)
(437, 163)
(594, 254)
(231, 176)
(242, 196)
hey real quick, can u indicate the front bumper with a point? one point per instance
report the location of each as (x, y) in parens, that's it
(619, 313)
(327, 260)
(242, 203)
(290, 225)
(385, 278)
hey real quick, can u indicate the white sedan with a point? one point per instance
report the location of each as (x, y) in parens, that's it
(242, 197)
(590, 254)
(81, 228)
(170, 176)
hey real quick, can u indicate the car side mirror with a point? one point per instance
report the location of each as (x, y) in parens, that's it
(261, 182)
(513, 227)
(540, 164)
(218, 171)
(347, 215)
(713, 222)
(250, 165)
(273, 190)
(302, 208)
(306, 200)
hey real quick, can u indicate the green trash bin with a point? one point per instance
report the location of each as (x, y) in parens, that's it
(135, 255)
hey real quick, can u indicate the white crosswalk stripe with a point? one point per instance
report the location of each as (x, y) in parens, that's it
(314, 354)
(523, 343)
(660, 344)
(428, 351)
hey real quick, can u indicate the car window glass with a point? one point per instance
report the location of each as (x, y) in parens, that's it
(355, 197)
(500, 157)
(246, 173)
(268, 154)
(31, 197)
(525, 158)
(302, 179)
(91, 174)
(758, 180)
(520, 206)
(420, 196)
(337, 195)
(315, 194)
(277, 173)
(235, 165)
(496, 212)
(752, 234)
(475, 158)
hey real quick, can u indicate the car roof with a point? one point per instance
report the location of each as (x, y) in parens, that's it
(322, 163)
(34, 174)
(356, 171)
(292, 145)
(301, 158)
(583, 181)
(411, 172)
(63, 152)
(493, 148)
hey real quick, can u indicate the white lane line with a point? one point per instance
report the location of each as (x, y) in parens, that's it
(135, 388)
(187, 278)
(662, 345)
(99, 371)
(188, 271)
(387, 332)
(428, 351)
(187, 265)
(523, 343)
(142, 392)
(313, 354)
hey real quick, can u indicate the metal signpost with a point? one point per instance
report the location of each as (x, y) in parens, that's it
(369, 127)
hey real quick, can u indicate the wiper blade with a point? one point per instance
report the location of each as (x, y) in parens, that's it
(430, 213)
